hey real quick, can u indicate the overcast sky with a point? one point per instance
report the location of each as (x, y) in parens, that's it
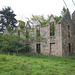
(25, 8)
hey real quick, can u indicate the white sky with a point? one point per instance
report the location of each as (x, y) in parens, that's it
(25, 8)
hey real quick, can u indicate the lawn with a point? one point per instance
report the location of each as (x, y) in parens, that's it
(25, 64)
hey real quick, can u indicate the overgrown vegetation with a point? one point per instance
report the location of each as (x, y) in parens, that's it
(22, 24)
(57, 18)
(30, 64)
(9, 29)
(38, 32)
(12, 43)
(52, 29)
(63, 11)
(44, 21)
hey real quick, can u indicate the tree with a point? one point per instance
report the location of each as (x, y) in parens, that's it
(37, 17)
(22, 24)
(57, 18)
(12, 43)
(40, 18)
(63, 11)
(7, 17)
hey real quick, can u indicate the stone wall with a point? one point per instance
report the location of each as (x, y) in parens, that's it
(58, 40)
(65, 23)
(58, 44)
(73, 29)
(45, 44)
(33, 47)
(32, 34)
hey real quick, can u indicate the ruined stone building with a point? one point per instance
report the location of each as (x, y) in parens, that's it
(60, 43)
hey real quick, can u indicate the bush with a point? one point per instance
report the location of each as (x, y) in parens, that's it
(12, 43)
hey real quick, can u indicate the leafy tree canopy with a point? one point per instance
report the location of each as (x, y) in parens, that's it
(22, 24)
(63, 11)
(7, 17)
(38, 17)
(57, 18)
(12, 43)
(45, 21)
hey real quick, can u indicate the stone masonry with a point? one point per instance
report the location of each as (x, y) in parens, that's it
(61, 44)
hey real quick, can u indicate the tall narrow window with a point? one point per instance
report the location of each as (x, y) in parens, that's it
(69, 46)
(27, 33)
(69, 31)
(52, 29)
(38, 31)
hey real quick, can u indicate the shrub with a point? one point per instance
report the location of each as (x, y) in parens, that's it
(13, 43)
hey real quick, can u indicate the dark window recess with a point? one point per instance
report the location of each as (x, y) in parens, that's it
(38, 48)
(69, 46)
(38, 31)
(69, 31)
(27, 34)
(52, 29)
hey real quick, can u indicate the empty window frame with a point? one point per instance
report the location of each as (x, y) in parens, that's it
(27, 33)
(69, 47)
(52, 29)
(69, 31)
(37, 31)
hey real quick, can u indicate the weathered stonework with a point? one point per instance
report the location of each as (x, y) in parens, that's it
(66, 40)
(61, 44)
(73, 32)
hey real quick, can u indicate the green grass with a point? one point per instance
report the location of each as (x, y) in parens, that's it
(25, 64)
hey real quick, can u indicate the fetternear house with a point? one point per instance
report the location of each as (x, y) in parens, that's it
(60, 43)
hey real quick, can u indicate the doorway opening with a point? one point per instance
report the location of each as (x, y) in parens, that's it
(52, 48)
(38, 48)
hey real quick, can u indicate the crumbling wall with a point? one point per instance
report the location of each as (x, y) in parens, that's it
(58, 40)
(66, 40)
(45, 44)
(57, 44)
(73, 29)
(32, 34)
